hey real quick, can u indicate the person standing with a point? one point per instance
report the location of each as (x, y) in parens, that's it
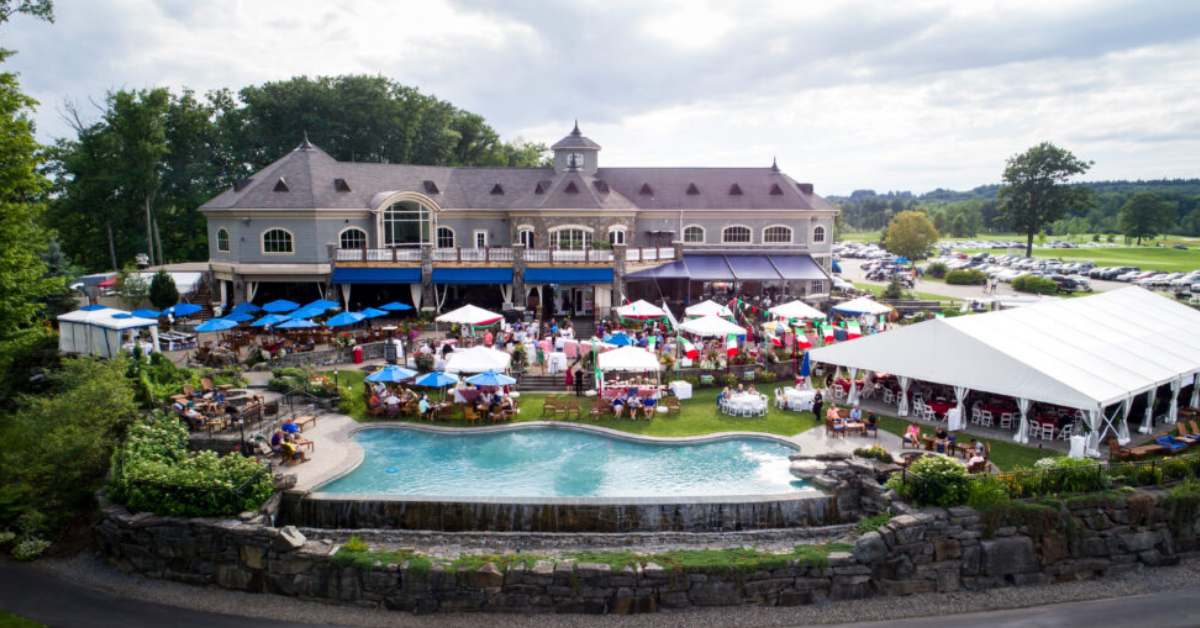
(579, 383)
(569, 376)
(818, 404)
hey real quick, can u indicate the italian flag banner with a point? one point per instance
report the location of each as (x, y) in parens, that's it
(827, 332)
(689, 349)
(731, 345)
(853, 330)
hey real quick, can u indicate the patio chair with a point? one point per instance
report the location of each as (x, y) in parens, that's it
(1065, 432)
(470, 414)
(986, 418)
(566, 406)
(871, 430)
(888, 396)
(550, 406)
(1117, 452)
(672, 405)
(928, 414)
(1007, 420)
(976, 414)
(206, 385)
(1047, 431)
(780, 401)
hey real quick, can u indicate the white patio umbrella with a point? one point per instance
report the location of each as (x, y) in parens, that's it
(711, 327)
(469, 315)
(641, 310)
(707, 308)
(477, 360)
(796, 309)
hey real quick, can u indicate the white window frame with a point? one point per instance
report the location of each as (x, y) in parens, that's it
(426, 223)
(791, 237)
(821, 230)
(223, 231)
(262, 241)
(366, 238)
(522, 230)
(588, 240)
(749, 234)
(437, 237)
(703, 234)
(475, 238)
(618, 229)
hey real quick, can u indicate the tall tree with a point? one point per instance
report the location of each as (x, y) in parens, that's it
(910, 234)
(1035, 191)
(1145, 215)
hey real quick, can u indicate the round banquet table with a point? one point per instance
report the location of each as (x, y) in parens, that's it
(797, 399)
(941, 407)
(745, 403)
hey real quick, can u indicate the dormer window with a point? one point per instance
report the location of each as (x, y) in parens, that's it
(646, 190)
(496, 189)
(692, 190)
(735, 190)
(539, 188)
(430, 187)
(340, 185)
(601, 186)
(776, 190)
(242, 184)
(571, 189)
(281, 185)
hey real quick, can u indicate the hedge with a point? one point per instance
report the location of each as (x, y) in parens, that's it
(1034, 284)
(153, 471)
(936, 269)
(966, 277)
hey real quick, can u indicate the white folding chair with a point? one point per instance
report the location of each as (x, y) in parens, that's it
(976, 414)
(985, 418)
(839, 393)
(1007, 419)
(1047, 431)
(888, 395)
(780, 402)
(1065, 432)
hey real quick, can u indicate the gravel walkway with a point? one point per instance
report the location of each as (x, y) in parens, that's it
(90, 572)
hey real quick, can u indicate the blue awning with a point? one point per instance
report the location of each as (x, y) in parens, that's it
(472, 276)
(568, 276)
(708, 268)
(376, 275)
(752, 268)
(798, 267)
(675, 270)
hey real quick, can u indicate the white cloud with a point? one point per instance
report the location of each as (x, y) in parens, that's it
(848, 95)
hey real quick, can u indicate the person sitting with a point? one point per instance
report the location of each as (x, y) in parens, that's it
(722, 396)
(856, 413)
(292, 453)
(648, 405)
(912, 435)
(942, 438)
(618, 405)
(423, 407)
(277, 441)
(635, 405)
(833, 414)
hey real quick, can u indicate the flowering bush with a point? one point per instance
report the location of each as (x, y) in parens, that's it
(933, 481)
(153, 471)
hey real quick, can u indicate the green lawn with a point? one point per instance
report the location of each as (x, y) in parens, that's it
(697, 415)
(8, 620)
(1005, 453)
(876, 290)
(1145, 257)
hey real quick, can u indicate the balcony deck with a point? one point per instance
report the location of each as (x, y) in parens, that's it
(497, 257)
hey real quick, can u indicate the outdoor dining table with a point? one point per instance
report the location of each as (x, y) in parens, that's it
(556, 362)
(798, 399)
(940, 407)
(746, 403)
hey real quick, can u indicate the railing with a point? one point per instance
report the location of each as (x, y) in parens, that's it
(649, 254)
(503, 254)
(378, 255)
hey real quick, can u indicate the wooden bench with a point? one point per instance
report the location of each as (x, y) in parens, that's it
(304, 421)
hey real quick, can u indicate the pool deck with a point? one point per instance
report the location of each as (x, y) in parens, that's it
(335, 453)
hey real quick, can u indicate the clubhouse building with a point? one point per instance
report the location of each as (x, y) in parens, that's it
(572, 239)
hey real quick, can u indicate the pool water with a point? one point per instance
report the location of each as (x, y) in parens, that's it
(540, 462)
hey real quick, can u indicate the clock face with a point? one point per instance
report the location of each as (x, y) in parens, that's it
(577, 158)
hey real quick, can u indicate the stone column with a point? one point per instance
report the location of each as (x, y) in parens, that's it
(618, 283)
(331, 251)
(678, 246)
(427, 276)
(518, 253)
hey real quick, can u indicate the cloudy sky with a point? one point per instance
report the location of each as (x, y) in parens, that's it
(888, 95)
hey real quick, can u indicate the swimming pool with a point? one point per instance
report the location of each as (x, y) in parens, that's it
(548, 462)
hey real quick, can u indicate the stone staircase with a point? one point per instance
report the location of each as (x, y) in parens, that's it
(549, 383)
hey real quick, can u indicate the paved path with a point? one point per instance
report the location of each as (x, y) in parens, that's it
(852, 271)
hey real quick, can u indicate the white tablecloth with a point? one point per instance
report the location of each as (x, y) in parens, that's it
(681, 389)
(798, 399)
(746, 404)
(556, 362)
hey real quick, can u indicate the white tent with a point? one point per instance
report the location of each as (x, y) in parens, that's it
(630, 359)
(707, 308)
(796, 309)
(100, 332)
(469, 315)
(711, 327)
(477, 360)
(641, 309)
(1090, 353)
(862, 305)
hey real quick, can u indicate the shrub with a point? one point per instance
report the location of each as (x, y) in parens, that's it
(153, 471)
(163, 292)
(355, 544)
(765, 376)
(874, 452)
(894, 290)
(872, 523)
(986, 491)
(1034, 285)
(1067, 475)
(932, 481)
(966, 277)
(30, 548)
(936, 269)
(729, 379)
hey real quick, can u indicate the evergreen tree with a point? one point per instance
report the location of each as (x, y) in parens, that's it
(163, 293)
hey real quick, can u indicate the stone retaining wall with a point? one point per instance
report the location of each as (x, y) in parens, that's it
(928, 550)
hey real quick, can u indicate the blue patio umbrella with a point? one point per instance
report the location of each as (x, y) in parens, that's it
(239, 317)
(306, 312)
(805, 366)
(246, 308)
(837, 268)
(269, 320)
(396, 306)
(297, 323)
(279, 306)
(437, 379)
(323, 305)
(619, 339)
(345, 318)
(214, 325)
(391, 374)
(93, 307)
(372, 313)
(146, 313)
(183, 310)
(491, 378)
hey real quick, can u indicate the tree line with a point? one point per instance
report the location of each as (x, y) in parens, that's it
(140, 162)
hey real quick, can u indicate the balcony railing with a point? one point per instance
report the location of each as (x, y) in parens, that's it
(649, 254)
(504, 255)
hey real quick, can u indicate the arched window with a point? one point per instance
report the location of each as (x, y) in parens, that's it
(616, 235)
(445, 238)
(406, 224)
(525, 236)
(571, 239)
(777, 234)
(818, 234)
(222, 240)
(277, 242)
(693, 233)
(352, 238)
(735, 235)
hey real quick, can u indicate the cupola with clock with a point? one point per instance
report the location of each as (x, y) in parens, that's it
(576, 153)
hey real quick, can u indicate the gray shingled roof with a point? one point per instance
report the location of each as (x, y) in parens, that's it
(310, 173)
(575, 140)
